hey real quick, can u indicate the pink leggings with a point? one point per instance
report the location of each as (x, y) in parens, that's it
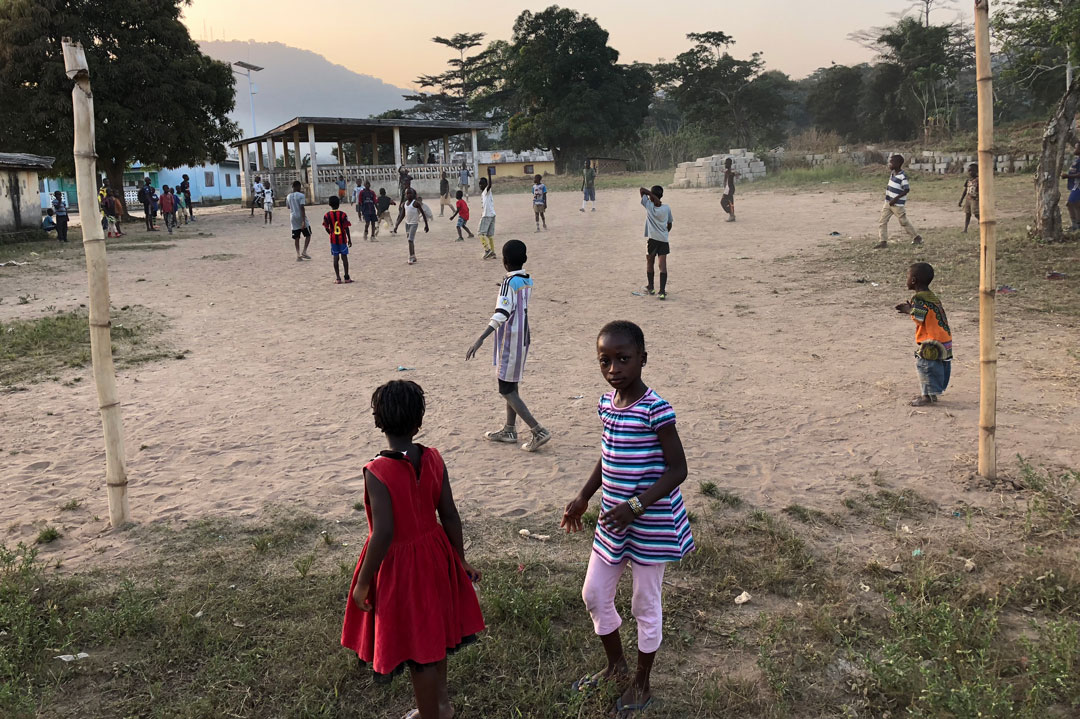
(601, 580)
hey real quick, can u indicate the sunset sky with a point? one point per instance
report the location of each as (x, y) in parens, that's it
(377, 39)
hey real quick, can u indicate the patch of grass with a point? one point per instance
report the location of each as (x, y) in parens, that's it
(807, 515)
(571, 181)
(144, 246)
(728, 499)
(709, 489)
(71, 505)
(220, 257)
(47, 535)
(1022, 263)
(32, 350)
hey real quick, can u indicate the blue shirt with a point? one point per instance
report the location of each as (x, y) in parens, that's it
(59, 207)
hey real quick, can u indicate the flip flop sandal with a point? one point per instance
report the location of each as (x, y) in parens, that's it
(620, 707)
(337, 282)
(348, 282)
(587, 683)
(412, 714)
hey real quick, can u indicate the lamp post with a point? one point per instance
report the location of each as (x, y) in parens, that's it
(251, 88)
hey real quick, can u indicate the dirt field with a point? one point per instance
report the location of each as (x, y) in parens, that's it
(789, 378)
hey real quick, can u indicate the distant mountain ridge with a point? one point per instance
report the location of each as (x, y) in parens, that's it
(300, 82)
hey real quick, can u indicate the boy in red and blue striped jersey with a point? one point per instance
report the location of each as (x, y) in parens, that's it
(336, 223)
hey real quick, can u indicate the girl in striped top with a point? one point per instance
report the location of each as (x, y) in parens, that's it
(642, 518)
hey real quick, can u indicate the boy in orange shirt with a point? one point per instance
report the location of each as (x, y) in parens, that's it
(933, 358)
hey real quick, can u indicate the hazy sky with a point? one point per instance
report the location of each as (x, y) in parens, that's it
(378, 39)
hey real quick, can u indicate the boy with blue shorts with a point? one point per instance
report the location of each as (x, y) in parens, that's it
(461, 211)
(336, 223)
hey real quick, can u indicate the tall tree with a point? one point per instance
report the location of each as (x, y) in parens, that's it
(833, 99)
(564, 88)
(733, 99)
(1039, 30)
(157, 98)
(453, 88)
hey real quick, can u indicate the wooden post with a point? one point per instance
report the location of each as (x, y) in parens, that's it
(97, 272)
(446, 149)
(359, 155)
(988, 253)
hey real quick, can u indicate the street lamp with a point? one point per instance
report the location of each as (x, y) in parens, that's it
(251, 88)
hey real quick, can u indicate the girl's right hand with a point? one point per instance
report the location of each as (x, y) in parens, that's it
(360, 597)
(571, 519)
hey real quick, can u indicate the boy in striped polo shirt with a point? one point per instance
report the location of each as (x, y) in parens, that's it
(510, 323)
(895, 201)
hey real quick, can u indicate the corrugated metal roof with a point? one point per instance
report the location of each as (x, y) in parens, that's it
(25, 160)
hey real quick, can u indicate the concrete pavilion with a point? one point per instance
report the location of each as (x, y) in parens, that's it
(367, 134)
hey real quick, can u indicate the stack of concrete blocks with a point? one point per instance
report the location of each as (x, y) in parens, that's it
(709, 171)
(933, 161)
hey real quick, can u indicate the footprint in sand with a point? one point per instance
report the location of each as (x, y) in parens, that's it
(38, 465)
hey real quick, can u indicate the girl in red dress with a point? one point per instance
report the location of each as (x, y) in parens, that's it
(412, 599)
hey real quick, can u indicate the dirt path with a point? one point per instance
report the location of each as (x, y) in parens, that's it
(789, 381)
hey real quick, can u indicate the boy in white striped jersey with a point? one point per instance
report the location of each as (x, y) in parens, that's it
(895, 204)
(510, 323)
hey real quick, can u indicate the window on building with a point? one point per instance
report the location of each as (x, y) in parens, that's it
(41, 185)
(529, 170)
(228, 180)
(238, 180)
(209, 179)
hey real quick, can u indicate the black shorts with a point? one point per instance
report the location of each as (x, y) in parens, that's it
(305, 231)
(656, 247)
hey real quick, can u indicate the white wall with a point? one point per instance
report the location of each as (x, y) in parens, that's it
(19, 200)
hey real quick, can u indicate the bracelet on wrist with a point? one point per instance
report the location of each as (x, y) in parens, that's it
(635, 506)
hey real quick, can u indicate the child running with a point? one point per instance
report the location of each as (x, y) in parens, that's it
(368, 207)
(658, 220)
(487, 219)
(539, 201)
(461, 211)
(896, 193)
(384, 210)
(411, 601)
(412, 210)
(933, 358)
(298, 220)
(336, 223)
(642, 522)
(510, 323)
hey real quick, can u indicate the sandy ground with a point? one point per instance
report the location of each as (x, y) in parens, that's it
(788, 380)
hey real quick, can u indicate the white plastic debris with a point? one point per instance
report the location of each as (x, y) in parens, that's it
(71, 657)
(969, 565)
(541, 537)
(525, 533)
(906, 529)
(743, 598)
(864, 587)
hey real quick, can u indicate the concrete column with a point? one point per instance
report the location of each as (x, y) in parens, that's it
(359, 151)
(285, 152)
(245, 183)
(298, 160)
(446, 149)
(313, 186)
(340, 154)
(271, 155)
(258, 157)
(397, 147)
(374, 148)
(475, 161)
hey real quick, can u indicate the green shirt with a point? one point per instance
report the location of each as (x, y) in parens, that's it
(590, 177)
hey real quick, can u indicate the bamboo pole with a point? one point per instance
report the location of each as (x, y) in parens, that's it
(97, 272)
(988, 247)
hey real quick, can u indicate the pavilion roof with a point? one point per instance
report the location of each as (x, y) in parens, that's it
(350, 129)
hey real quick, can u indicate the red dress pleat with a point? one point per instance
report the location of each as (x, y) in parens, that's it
(424, 603)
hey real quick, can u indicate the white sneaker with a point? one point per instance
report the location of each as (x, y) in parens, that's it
(540, 437)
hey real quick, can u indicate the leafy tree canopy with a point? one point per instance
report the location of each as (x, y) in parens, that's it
(157, 98)
(564, 89)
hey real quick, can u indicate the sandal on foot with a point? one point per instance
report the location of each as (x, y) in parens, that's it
(337, 282)
(627, 709)
(588, 682)
(348, 281)
(921, 401)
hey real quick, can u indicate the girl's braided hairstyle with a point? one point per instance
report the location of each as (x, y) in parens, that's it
(398, 407)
